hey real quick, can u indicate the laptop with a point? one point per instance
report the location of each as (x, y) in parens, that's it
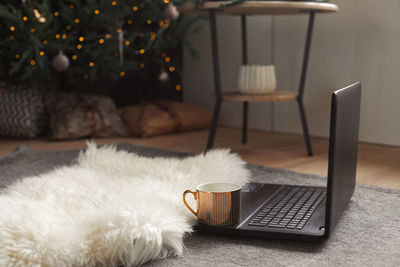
(306, 212)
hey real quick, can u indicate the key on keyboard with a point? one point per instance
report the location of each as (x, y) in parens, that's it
(291, 208)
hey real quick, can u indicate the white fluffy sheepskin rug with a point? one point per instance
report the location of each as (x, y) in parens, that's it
(111, 207)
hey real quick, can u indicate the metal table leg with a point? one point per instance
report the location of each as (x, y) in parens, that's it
(302, 84)
(217, 80)
(244, 62)
(244, 122)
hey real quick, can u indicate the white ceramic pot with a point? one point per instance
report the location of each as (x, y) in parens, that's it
(256, 79)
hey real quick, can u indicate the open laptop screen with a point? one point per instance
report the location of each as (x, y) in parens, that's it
(343, 142)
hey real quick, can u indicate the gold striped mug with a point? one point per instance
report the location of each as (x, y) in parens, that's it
(218, 204)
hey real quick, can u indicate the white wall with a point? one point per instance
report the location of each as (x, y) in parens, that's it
(361, 42)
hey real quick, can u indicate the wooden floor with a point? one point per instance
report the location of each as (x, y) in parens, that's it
(377, 165)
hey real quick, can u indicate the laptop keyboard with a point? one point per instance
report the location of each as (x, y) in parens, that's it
(291, 208)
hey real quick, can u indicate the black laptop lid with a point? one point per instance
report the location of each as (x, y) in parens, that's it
(343, 142)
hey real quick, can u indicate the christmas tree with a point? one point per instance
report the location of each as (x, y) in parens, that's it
(51, 44)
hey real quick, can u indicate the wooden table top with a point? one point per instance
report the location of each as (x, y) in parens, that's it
(260, 8)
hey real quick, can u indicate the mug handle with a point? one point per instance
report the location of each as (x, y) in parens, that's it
(194, 193)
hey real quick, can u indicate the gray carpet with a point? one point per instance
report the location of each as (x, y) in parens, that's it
(367, 235)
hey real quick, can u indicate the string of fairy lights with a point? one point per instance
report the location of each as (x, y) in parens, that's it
(63, 61)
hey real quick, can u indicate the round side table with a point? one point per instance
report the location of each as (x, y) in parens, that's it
(258, 8)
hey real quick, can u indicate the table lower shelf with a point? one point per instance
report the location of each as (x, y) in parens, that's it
(276, 96)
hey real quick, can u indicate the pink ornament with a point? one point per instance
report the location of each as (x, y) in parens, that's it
(60, 62)
(172, 12)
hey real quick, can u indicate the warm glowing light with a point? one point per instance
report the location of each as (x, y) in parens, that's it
(58, 36)
(141, 51)
(25, 18)
(122, 74)
(172, 69)
(81, 38)
(167, 59)
(166, 1)
(76, 20)
(91, 64)
(39, 16)
(148, 21)
(127, 43)
(178, 87)
(108, 35)
(101, 41)
(119, 30)
(74, 57)
(135, 8)
(45, 42)
(79, 46)
(142, 65)
(17, 56)
(114, 3)
(69, 27)
(153, 36)
(12, 28)
(33, 62)
(64, 36)
(41, 53)
(96, 12)
(163, 54)
(33, 30)
(56, 13)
